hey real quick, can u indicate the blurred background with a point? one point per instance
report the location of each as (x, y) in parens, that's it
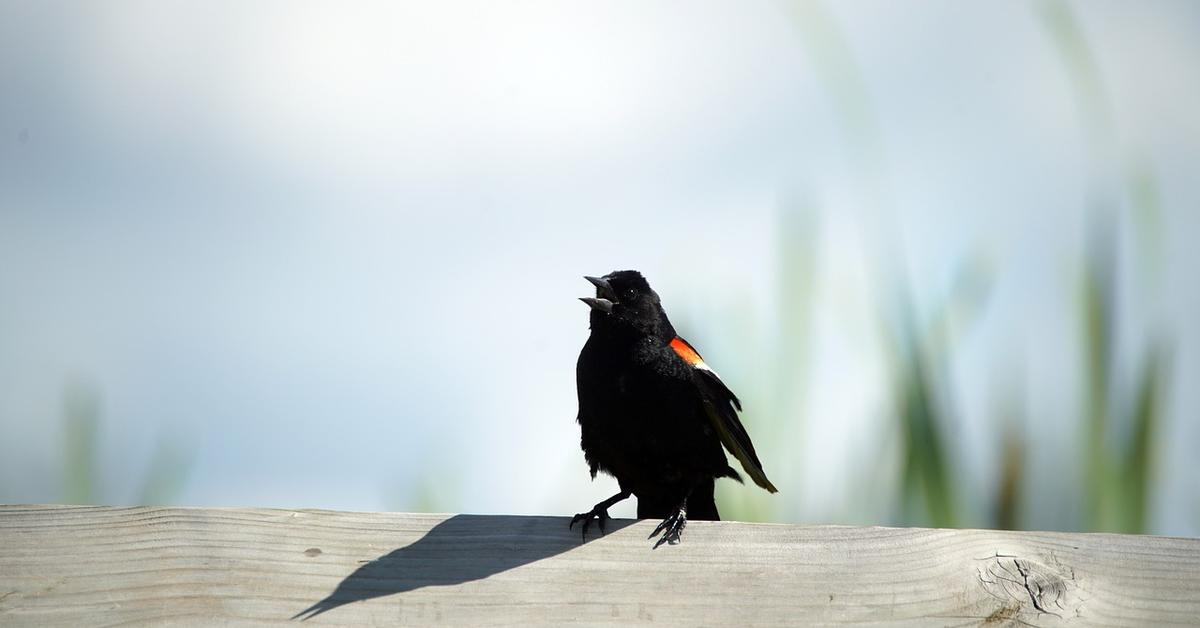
(327, 256)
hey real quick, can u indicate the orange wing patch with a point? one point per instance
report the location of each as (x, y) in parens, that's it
(689, 355)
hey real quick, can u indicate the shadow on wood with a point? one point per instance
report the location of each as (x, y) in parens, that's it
(454, 552)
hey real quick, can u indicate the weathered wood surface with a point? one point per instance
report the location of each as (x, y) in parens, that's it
(76, 566)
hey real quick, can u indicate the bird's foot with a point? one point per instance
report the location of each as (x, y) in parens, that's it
(671, 528)
(599, 515)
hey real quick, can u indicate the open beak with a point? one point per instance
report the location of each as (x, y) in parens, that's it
(605, 297)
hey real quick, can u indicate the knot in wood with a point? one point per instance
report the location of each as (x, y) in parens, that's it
(1025, 586)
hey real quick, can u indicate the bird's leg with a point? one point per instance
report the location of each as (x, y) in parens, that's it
(599, 512)
(671, 527)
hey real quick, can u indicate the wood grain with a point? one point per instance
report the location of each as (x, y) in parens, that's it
(74, 566)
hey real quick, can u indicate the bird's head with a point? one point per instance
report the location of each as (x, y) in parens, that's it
(624, 299)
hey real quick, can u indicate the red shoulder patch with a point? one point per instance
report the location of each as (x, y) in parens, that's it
(685, 351)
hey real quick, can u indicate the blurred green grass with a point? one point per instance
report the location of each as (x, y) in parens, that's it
(163, 480)
(1121, 412)
(81, 422)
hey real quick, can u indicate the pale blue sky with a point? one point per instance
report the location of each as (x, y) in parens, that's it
(336, 249)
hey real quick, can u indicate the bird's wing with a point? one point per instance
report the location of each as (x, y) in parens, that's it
(722, 407)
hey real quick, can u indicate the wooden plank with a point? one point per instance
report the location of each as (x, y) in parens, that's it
(72, 566)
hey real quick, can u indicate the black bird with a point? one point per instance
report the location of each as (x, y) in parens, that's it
(652, 413)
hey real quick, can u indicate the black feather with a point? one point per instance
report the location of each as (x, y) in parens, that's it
(648, 417)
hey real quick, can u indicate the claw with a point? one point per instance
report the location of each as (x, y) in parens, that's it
(671, 527)
(599, 515)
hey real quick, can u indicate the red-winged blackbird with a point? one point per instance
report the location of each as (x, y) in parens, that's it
(652, 413)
